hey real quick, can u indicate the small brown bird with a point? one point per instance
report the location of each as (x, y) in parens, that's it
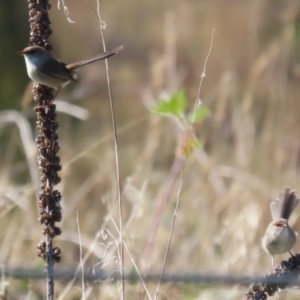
(280, 237)
(44, 69)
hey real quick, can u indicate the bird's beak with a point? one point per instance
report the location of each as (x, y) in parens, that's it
(21, 52)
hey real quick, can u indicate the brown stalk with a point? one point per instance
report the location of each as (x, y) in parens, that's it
(285, 275)
(48, 147)
(115, 136)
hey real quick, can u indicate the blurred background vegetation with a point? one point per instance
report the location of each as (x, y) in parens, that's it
(251, 141)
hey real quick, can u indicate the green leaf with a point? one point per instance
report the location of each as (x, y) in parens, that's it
(200, 114)
(175, 105)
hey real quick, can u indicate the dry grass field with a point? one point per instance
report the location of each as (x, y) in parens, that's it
(251, 143)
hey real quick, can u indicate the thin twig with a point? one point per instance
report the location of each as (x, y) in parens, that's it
(81, 260)
(203, 74)
(115, 242)
(176, 168)
(172, 230)
(90, 250)
(50, 262)
(102, 28)
(134, 264)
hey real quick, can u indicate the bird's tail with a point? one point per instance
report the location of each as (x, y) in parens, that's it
(101, 56)
(284, 205)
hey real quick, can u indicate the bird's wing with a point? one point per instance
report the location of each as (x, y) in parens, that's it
(56, 69)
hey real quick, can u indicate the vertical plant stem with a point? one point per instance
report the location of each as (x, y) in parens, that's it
(175, 170)
(48, 147)
(102, 28)
(171, 232)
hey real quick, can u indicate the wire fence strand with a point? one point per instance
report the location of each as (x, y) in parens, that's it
(103, 276)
